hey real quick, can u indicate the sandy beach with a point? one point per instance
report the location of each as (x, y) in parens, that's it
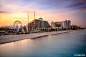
(13, 38)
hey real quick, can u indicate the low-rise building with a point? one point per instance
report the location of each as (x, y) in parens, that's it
(11, 26)
(56, 25)
(52, 25)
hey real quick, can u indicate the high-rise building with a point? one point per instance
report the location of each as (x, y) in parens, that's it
(39, 23)
(46, 24)
(66, 24)
(42, 22)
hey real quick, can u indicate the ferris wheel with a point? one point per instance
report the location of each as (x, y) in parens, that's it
(17, 23)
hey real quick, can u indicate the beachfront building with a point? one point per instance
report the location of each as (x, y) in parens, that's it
(39, 24)
(56, 25)
(61, 25)
(74, 27)
(66, 24)
(52, 25)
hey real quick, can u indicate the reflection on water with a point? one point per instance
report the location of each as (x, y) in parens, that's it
(62, 45)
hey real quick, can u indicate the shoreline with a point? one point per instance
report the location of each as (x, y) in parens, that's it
(13, 38)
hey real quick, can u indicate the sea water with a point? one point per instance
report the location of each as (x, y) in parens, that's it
(63, 45)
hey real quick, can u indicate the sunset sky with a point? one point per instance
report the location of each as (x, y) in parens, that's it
(49, 10)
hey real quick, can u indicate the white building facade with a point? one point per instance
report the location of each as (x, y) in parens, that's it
(66, 24)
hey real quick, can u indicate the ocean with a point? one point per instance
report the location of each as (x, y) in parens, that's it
(70, 44)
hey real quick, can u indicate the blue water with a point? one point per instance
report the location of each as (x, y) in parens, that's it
(62, 45)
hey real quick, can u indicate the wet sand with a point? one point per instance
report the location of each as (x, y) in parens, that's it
(13, 38)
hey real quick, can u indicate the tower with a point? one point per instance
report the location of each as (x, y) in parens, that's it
(28, 22)
(34, 20)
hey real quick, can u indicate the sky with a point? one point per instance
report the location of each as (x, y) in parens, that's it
(49, 10)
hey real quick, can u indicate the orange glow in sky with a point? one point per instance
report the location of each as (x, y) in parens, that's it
(49, 10)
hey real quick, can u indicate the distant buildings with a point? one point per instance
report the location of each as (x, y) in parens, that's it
(74, 27)
(61, 25)
(11, 27)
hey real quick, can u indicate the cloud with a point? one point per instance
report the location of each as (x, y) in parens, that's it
(83, 1)
(57, 10)
(2, 12)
